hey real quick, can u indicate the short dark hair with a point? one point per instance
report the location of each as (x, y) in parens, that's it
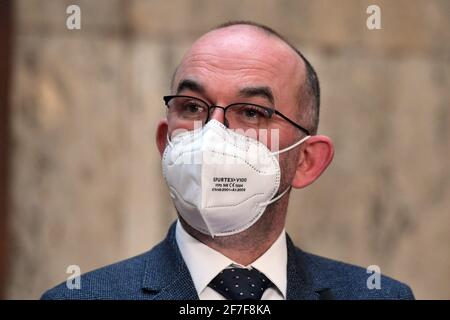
(311, 86)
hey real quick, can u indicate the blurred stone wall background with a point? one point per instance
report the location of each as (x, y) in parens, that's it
(86, 186)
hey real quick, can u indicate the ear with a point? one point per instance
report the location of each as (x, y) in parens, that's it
(161, 135)
(315, 157)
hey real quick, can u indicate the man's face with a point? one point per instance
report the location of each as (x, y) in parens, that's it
(243, 64)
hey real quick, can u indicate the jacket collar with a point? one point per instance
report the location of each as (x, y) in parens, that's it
(301, 283)
(167, 276)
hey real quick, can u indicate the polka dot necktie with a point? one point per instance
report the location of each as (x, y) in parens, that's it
(240, 284)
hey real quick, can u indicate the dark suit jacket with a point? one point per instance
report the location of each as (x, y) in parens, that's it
(161, 274)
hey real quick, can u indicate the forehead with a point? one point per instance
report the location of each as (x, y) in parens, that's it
(242, 55)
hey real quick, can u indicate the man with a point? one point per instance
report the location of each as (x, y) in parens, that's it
(241, 130)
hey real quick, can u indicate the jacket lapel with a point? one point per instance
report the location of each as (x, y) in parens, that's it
(300, 280)
(166, 275)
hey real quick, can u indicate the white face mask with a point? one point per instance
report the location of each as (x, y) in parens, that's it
(221, 181)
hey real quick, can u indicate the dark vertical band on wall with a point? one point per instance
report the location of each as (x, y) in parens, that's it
(6, 25)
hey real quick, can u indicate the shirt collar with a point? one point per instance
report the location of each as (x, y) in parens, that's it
(273, 263)
(204, 263)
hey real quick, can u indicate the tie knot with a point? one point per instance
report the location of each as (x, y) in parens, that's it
(240, 284)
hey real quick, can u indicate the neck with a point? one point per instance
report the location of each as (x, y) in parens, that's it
(247, 246)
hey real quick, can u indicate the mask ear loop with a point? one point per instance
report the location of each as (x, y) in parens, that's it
(291, 146)
(168, 140)
(276, 198)
(288, 188)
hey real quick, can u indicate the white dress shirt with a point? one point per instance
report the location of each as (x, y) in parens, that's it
(205, 263)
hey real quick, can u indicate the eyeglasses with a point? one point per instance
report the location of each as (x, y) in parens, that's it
(237, 115)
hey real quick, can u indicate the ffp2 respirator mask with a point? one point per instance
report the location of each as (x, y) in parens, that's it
(221, 181)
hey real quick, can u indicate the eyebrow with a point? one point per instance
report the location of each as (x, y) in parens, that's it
(262, 91)
(247, 92)
(189, 84)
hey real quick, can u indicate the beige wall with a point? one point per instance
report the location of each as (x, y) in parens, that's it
(86, 183)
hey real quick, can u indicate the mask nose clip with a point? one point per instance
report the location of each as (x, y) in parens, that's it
(211, 111)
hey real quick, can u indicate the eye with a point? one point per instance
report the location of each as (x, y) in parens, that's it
(192, 107)
(251, 112)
